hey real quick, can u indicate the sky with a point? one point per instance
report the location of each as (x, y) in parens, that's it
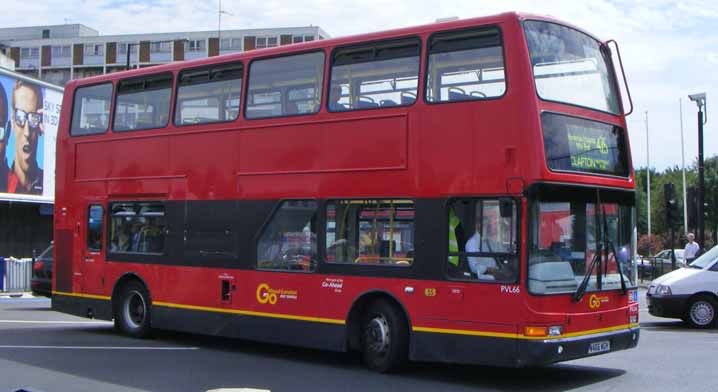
(669, 48)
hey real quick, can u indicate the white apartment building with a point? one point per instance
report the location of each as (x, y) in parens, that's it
(60, 53)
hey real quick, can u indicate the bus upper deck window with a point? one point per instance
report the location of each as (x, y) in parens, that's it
(465, 65)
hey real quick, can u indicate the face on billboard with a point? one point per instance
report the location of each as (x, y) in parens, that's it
(26, 125)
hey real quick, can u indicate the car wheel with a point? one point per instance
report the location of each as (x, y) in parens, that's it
(132, 313)
(702, 312)
(384, 337)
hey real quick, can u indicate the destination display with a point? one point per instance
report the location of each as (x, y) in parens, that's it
(579, 145)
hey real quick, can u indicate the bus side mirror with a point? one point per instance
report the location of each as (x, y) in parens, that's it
(506, 208)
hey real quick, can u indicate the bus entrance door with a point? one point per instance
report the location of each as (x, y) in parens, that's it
(93, 253)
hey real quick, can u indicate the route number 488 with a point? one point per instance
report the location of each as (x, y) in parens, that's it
(510, 289)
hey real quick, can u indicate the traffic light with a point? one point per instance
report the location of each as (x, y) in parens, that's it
(692, 199)
(671, 204)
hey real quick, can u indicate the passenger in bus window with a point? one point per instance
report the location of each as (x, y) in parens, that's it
(484, 268)
(121, 242)
(25, 176)
(4, 135)
(335, 95)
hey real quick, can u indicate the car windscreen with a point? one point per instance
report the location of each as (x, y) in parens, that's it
(706, 258)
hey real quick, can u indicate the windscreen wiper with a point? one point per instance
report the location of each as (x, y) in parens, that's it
(611, 247)
(596, 260)
(581, 290)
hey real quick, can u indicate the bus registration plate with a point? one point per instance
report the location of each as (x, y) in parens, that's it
(599, 347)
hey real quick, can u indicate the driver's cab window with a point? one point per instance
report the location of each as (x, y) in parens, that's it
(289, 240)
(482, 240)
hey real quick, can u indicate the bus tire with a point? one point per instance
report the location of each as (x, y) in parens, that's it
(702, 311)
(132, 313)
(384, 337)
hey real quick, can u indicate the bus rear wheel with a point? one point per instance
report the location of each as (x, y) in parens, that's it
(132, 313)
(384, 337)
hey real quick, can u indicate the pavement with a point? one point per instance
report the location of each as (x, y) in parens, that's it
(17, 294)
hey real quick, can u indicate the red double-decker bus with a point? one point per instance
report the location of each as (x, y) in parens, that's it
(460, 192)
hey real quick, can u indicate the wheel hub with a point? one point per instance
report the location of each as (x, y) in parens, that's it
(135, 309)
(702, 313)
(377, 335)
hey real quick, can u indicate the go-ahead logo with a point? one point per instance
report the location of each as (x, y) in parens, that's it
(594, 301)
(266, 294)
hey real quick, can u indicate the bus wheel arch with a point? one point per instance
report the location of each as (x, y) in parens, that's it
(131, 306)
(379, 310)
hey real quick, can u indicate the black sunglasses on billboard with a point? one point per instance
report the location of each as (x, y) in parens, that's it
(22, 116)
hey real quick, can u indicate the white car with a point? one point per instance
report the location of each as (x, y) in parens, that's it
(689, 293)
(664, 257)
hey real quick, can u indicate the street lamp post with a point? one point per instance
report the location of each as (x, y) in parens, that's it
(648, 185)
(700, 100)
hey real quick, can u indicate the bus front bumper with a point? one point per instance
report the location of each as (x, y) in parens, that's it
(542, 352)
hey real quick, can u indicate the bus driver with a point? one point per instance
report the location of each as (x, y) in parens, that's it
(484, 268)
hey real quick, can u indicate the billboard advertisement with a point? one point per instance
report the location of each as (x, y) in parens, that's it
(29, 117)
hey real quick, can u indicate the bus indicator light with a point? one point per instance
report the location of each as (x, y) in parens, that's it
(535, 331)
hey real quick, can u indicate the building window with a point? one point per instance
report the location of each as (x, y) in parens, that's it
(261, 42)
(160, 47)
(138, 227)
(94, 49)
(285, 86)
(143, 103)
(60, 51)
(266, 42)
(482, 240)
(231, 44)
(45, 33)
(94, 228)
(209, 95)
(122, 47)
(91, 110)
(29, 53)
(382, 74)
(289, 241)
(196, 45)
(379, 232)
(302, 38)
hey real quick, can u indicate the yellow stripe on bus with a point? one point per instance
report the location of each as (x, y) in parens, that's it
(80, 295)
(250, 313)
(215, 310)
(519, 336)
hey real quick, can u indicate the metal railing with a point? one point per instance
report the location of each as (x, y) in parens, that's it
(650, 268)
(17, 275)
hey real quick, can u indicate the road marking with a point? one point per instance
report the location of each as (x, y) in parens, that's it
(55, 322)
(238, 390)
(100, 348)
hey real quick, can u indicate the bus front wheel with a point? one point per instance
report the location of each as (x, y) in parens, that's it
(384, 337)
(132, 314)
